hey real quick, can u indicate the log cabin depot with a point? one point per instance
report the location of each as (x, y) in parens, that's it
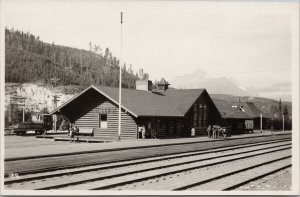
(170, 112)
(235, 116)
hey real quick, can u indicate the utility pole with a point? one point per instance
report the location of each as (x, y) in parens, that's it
(10, 106)
(120, 81)
(80, 65)
(261, 122)
(9, 112)
(19, 101)
(54, 82)
(282, 122)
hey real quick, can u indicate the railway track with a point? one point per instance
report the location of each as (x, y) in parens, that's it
(195, 170)
(44, 164)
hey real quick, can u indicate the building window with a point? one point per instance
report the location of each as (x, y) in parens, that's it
(195, 115)
(103, 121)
(200, 119)
(204, 115)
(160, 88)
(149, 125)
(159, 123)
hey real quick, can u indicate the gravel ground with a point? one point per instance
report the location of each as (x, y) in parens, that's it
(143, 185)
(280, 181)
(27, 146)
(28, 141)
(185, 178)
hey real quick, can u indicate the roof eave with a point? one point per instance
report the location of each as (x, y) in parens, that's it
(184, 113)
(101, 92)
(162, 116)
(88, 88)
(70, 100)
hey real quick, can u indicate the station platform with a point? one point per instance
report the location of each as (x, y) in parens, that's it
(67, 148)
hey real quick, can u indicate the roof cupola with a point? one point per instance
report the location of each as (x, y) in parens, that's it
(162, 85)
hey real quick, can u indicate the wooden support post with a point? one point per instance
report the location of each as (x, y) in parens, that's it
(282, 122)
(9, 112)
(120, 82)
(24, 113)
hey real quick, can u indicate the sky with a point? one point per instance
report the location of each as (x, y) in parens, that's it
(249, 43)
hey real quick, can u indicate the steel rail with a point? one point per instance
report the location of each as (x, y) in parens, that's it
(256, 178)
(156, 168)
(209, 150)
(235, 172)
(141, 147)
(151, 159)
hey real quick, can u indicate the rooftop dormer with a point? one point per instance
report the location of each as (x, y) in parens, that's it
(162, 85)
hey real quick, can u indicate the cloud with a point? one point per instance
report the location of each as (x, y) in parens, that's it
(282, 90)
(276, 87)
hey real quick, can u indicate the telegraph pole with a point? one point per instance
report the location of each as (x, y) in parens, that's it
(120, 81)
(19, 101)
(261, 122)
(54, 82)
(282, 122)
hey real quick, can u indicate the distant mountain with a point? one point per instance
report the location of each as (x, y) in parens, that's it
(220, 85)
(28, 59)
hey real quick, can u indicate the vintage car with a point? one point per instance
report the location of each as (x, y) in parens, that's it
(24, 127)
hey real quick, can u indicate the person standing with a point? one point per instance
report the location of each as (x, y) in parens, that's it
(143, 132)
(209, 131)
(224, 133)
(214, 131)
(219, 131)
(72, 134)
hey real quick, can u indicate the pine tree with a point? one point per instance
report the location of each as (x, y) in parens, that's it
(280, 108)
(28, 59)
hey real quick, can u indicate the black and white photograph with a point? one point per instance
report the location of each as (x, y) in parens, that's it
(149, 97)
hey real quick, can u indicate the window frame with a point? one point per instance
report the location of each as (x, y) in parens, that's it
(100, 115)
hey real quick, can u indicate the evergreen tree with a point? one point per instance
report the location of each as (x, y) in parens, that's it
(280, 108)
(28, 59)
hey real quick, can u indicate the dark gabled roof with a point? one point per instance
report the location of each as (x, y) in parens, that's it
(175, 103)
(183, 99)
(140, 102)
(225, 108)
(253, 110)
(237, 114)
(163, 82)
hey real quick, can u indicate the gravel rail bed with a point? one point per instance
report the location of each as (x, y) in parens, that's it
(218, 177)
(50, 179)
(29, 166)
(68, 172)
(278, 181)
(118, 176)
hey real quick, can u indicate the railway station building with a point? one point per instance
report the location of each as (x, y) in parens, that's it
(170, 112)
(236, 115)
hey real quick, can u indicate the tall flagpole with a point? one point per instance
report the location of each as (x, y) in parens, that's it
(120, 81)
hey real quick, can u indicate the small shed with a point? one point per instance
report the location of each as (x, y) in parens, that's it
(235, 114)
(237, 120)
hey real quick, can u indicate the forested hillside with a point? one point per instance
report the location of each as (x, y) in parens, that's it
(28, 59)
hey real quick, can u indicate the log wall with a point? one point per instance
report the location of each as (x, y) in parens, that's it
(85, 114)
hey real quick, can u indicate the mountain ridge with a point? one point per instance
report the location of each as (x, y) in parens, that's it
(225, 85)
